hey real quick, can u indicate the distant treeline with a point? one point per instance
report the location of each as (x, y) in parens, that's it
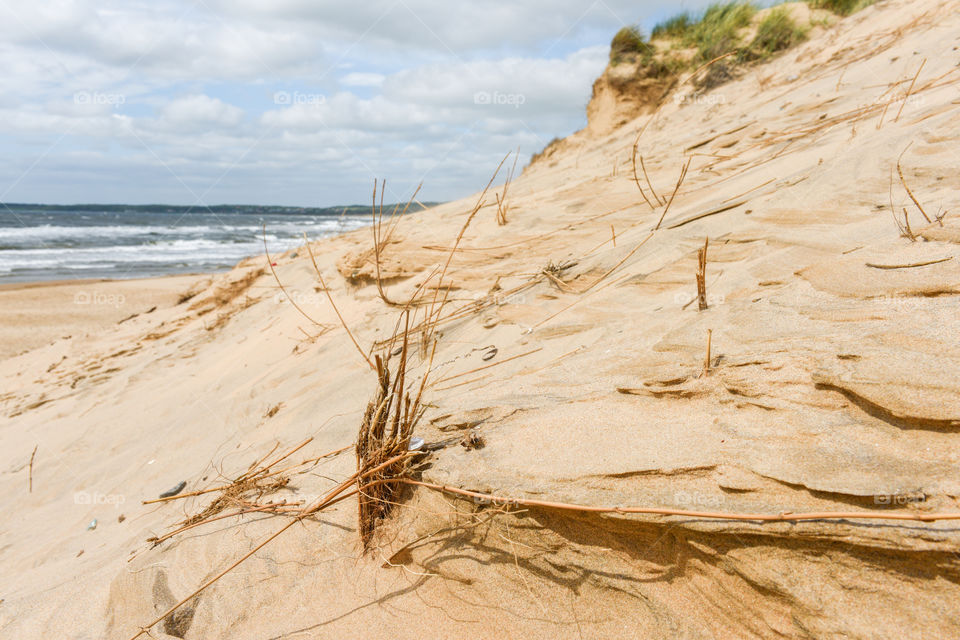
(352, 209)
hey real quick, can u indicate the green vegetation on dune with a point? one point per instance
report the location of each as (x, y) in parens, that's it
(627, 42)
(841, 7)
(674, 27)
(686, 41)
(716, 32)
(776, 32)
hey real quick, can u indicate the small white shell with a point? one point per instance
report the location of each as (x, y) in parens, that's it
(416, 443)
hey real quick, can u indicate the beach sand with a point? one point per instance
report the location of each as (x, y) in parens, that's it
(571, 344)
(35, 314)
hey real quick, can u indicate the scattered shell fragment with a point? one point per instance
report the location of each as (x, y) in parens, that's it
(92, 525)
(490, 354)
(416, 443)
(169, 493)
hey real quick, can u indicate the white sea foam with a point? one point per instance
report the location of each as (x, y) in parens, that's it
(52, 250)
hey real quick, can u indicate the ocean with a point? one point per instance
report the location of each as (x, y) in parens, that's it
(41, 244)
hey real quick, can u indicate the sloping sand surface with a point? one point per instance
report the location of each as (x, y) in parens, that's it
(832, 386)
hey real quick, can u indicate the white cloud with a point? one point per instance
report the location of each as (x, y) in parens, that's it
(358, 79)
(127, 101)
(199, 111)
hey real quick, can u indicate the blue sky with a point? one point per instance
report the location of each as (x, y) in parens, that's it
(295, 102)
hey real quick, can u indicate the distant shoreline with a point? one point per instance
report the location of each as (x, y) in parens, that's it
(251, 209)
(19, 285)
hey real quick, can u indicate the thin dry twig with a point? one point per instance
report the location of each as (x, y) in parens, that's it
(649, 184)
(906, 226)
(908, 266)
(282, 288)
(906, 97)
(702, 275)
(379, 240)
(636, 179)
(683, 174)
(502, 200)
(903, 227)
(32, 455)
(783, 516)
(909, 192)
(433, 315)
(706, 360)
(333, 304)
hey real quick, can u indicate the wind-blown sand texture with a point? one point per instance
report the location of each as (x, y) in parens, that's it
(832, 386)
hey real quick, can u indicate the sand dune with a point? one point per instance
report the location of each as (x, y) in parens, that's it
(832, 386)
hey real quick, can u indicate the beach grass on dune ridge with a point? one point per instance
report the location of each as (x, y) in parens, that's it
(716, 32)
(841, 7)
(776, 32)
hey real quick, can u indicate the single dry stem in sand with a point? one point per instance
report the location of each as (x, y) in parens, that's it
(683, 174)
(266, 251)
(502, 199)
(636, 179)
(706, 360)
(909, 192)
(380, 240)
(702, 275)
(32, 455)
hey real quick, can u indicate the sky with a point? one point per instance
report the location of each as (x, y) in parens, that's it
(290, 102)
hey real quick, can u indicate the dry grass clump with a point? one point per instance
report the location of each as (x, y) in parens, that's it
(242, 495)
(385, 433)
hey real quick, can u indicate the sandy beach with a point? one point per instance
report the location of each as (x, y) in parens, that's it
(554, 354)
(38, 313)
